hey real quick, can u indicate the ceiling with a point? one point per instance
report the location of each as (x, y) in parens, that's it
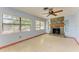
(38, 11)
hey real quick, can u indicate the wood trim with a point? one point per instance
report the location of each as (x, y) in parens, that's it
(56, 25)
(20, 41)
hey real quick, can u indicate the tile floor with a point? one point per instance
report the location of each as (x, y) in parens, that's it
(44, 43)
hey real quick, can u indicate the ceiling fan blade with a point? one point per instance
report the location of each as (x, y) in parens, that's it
(54, 14)
(48, 15)
(58, 11)
(45, 13)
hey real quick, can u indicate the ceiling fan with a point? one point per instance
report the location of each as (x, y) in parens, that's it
(51, 11)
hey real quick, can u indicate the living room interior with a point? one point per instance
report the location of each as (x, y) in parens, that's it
(39, 29)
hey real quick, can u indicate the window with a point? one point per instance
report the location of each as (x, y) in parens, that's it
(42, 25)
(10, 24)
(0, 26)
(25, 24)
(39, 25)
(15, 24)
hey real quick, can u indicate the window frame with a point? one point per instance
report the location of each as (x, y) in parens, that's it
(40, 25)
(30, 24)
(8, 24)
(37, 26)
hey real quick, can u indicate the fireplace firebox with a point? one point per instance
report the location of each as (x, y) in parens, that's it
(56, 30)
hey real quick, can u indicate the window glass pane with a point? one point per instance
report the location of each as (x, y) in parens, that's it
(42, 25)
(11, 21)
(25, 24)
(10, 24)
(0, 27)
(10, 28)
(7, 21)
(7, 16)
(15, 28)
(16, 21)
(25, 28)
(26, 21)
(38, 24)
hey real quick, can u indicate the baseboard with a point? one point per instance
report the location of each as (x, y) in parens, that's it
(20, 41)
(73, 39)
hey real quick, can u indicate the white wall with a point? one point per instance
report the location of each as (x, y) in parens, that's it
(72, 26)
(48, 29)
(6, 39)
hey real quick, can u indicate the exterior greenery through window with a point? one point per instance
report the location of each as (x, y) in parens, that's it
(39, 25)
(25, 24)
(12, 24)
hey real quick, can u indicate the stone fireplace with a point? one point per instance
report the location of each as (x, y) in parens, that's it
(57, 25)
